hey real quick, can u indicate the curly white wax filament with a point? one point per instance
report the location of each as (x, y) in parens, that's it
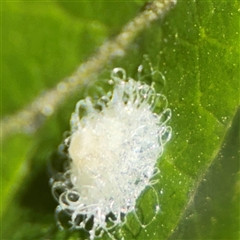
(113, 148)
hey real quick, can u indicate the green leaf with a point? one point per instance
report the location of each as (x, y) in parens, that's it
(195, 47)
(42, 45)
(213, 212)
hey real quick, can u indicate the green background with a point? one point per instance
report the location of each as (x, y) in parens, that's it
(196, 48)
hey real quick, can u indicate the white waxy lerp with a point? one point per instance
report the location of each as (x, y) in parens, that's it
(113, 150)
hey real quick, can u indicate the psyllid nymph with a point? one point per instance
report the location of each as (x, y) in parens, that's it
(112, 152)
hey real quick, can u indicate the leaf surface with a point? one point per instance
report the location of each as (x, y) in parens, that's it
(195, 47)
